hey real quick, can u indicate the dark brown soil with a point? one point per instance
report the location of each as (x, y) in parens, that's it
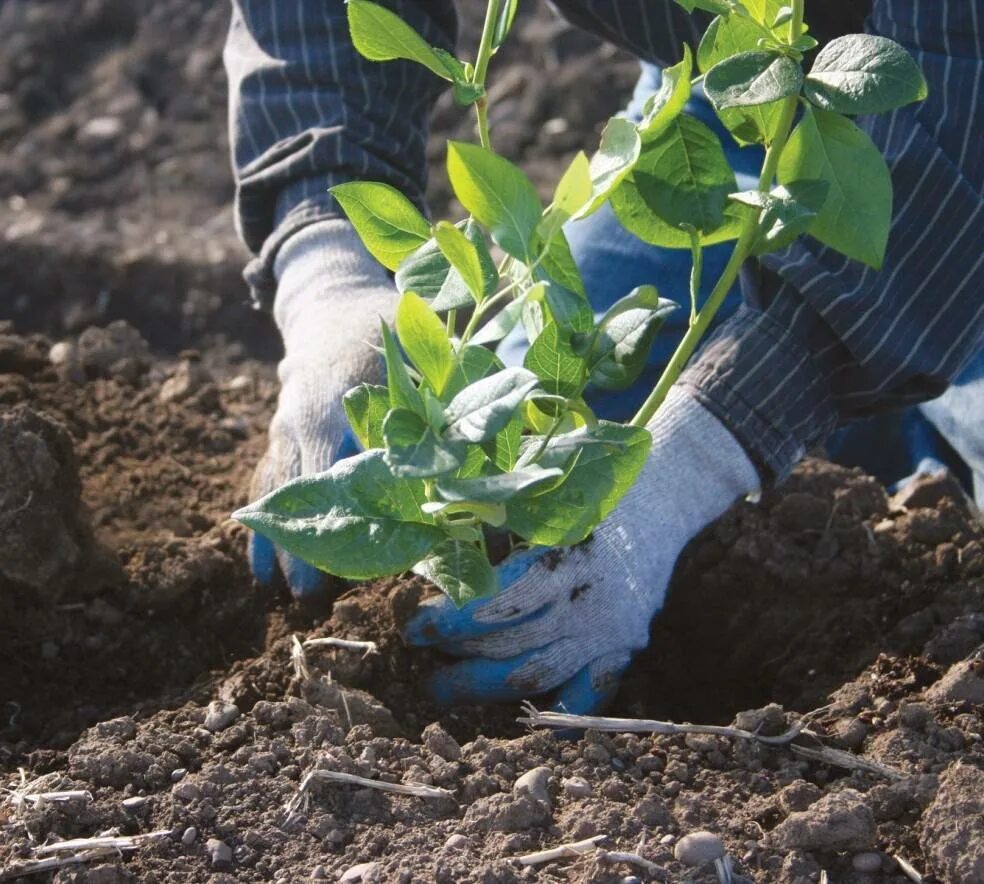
(126, 607)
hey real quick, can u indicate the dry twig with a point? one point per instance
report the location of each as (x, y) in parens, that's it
(299, 659)
(77, 850)
(563, 851)
(633, 859)
(344, 643)
(908, 870)
(846, 760)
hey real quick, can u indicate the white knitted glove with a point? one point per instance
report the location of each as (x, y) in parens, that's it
(570, 620)
(330, 297)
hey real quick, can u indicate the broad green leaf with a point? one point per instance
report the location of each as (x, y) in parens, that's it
(857, 214)
(497, 193)
(786, 213)
(864, 74)
(646, 297)
(366, 407)
(682, 178)
(424, 340)
(381, 35)
(717, 6)
(503, 450)
(573, 192)
(560, 370)
(752, 78)
(558, 266)
(766, 12)
(622, 347)
(507, 14)
(356, 521)
(387, 222)
(460, 570)
(533, 316)
(501, 324)
(500, 488)
(476, 463)
(465, 257)
(429, 272)
(570, 311)
(474, 363)
(614, 159)
(403, 393)
(668, 102)
(484, 408)
(599, 478)
(413, 449)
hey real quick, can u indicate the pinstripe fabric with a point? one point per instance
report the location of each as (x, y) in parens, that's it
(821, 341)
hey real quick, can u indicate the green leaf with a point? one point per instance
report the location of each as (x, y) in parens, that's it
(366, 407)
(560, 370)
(570, 311)
(573, 192)
(557, 266)
(501, 324)
(717, 6)
(644, 296)
(682, 178)
(497, 193)
(413, 449)
(857, 215)
(507, 13)
(403, 393)
(483, 408)
(430, 274)
(503, 450)
(387, 222)
(356, 521)
(381, 35)
(668, 102)
(500, 488)
(460, 570)
(622, 347)
(466, 257)
(786, 213)
(474, 363)
(864, 74)
(609, 457)
(766, 12)
(752, 78)
(424, 340)
(614, 159)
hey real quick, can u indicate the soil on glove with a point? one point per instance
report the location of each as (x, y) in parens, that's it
(141, 668)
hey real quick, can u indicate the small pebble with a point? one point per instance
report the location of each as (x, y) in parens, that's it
(178, 774)
(869, 861)
(319, 874)
(915, 715)
(534, 784)
(61, 353)
(135, 804)
(188, 836)
(219, 851)
(699, 848)
(630, 879)
(220, 715)
(457, 841)
(187, 791)
(577, 787)
(357, 873)
(667, 839)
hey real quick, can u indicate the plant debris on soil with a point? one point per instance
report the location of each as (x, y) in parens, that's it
(161, 718)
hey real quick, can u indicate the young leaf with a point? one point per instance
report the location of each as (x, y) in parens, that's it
(424, 340)
(501, 324)
(413, 450)
(503, 450)
(387, 222)
(752, 78)
(429, 273)
(500, 488)
(644, 296)
(573, 192)
(460, 570)
(466, 257)
(497, 193)
(572, 312)
(366, 407)
(381, 35)
(614, 159)
(557, 266)
(668, 102)
(482, 409)
(403, 394)
(622, 347)
(721, 7)
(560, 370)
(474, 363)
(864, 74)
(857, 214)
(610, 457)
(682, 178)
(507, 13)
(786, 213)
(357, 520)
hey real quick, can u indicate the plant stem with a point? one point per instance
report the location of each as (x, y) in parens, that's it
(481, 69)
(696, 273)
(746, 239)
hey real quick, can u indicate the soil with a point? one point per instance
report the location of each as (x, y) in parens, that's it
(142, 667)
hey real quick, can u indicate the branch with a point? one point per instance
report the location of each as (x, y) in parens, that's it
(563, 851)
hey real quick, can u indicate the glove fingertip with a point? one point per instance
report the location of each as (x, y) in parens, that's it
(262, 559)
(590, 690)
(304, 580)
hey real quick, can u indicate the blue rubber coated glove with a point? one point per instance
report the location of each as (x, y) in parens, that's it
(330, 297)
(568, 621)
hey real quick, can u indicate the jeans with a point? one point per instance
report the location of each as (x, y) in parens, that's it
(945, 433)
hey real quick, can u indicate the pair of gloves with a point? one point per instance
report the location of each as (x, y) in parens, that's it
(569, 626)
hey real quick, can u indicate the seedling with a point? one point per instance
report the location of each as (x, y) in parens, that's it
(455, 444)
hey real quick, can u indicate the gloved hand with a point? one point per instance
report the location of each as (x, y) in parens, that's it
(570, 620)
(330, 297)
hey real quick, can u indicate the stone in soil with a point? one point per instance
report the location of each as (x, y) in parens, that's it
(953, 825)
(838, 821)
